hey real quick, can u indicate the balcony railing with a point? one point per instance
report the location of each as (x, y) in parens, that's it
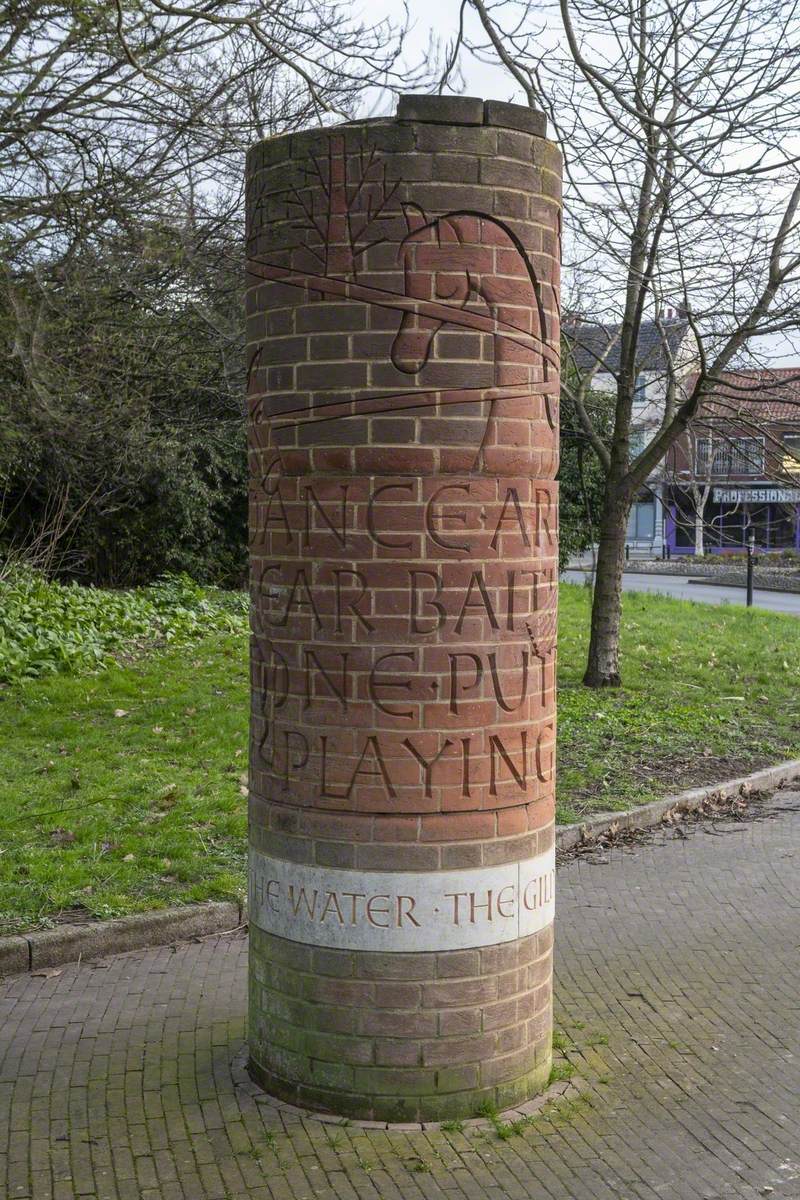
(720, 458)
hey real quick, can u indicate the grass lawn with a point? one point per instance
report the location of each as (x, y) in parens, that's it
(125, 790)
(709, 693)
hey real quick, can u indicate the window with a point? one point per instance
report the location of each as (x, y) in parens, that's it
(730, 456)
(639, 439)
(642, 521)
(702, 458)
(791, 457)
(746, 456)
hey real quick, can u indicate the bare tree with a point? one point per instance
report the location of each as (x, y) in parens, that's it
(678, 122)
(694, 476)
(107, 111)
(123, 129)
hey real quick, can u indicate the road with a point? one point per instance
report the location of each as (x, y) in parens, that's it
(706, 593)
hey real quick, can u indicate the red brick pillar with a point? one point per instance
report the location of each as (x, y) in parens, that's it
(403, 379)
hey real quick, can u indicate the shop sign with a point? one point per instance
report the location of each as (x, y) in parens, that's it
(757, 495)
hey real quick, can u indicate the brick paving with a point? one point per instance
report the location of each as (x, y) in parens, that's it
(678, 977)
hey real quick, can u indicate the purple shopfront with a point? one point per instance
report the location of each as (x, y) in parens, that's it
(732, 513)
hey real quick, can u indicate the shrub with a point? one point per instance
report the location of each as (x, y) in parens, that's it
(48, 627)
(122, 414)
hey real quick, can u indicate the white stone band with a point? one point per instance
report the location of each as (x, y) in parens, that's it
(401, 911)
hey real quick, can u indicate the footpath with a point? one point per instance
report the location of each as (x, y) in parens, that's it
(678, 976)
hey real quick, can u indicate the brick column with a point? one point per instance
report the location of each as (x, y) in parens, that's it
(403, 380)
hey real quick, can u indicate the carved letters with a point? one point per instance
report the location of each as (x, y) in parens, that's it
(453, 517)
(517, 762)
(401, 910)
(404, 516)
(284, 592)
(462, 646)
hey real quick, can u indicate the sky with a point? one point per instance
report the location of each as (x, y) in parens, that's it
(433, 20)
(437, 20)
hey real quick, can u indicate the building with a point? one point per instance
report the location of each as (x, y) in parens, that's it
(736, 472)
(666, 355)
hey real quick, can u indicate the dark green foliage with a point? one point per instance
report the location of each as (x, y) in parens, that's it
(122, 447)
(122, 450)
(581, 479)
(581, 484)
(186, 511)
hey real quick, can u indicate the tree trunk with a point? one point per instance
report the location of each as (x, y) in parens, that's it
(699, 498)
(602, 669)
